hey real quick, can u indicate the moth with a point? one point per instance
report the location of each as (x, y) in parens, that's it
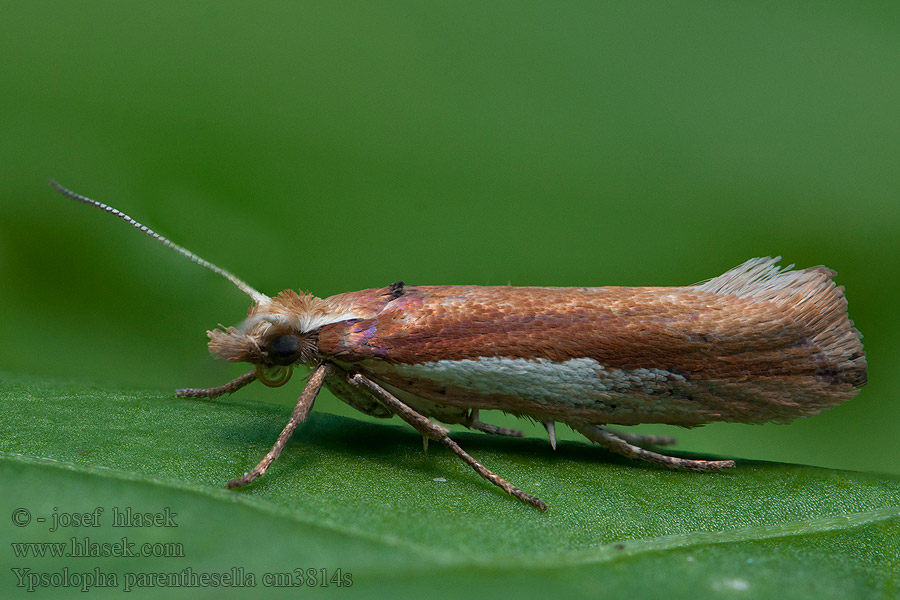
(759, 343)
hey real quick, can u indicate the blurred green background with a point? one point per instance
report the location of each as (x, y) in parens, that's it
(340, 146)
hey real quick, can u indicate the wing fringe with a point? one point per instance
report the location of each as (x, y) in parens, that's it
(812, 298)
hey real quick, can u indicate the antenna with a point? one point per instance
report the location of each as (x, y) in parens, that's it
(257, 296)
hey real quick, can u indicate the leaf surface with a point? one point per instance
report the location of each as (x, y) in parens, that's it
(365, 499)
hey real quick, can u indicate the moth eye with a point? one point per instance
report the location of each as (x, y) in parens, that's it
(284, 350)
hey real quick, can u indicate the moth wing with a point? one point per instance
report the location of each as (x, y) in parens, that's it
(755, 344)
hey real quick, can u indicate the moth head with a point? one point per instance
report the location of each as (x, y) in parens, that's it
(276, 335)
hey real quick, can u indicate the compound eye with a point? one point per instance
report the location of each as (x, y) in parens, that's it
(284, 350)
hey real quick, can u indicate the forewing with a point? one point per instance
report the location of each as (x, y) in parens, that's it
(619, 327)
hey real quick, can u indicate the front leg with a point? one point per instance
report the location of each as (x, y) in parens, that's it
(229, 388)
(430, 429)
(301, 411)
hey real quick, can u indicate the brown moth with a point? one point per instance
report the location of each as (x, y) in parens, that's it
(759, 343)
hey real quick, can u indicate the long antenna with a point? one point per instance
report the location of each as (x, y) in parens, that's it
(257, 296)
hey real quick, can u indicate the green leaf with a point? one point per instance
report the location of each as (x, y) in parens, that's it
(365, 499)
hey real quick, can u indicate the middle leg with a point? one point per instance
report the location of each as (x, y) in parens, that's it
(432, 430)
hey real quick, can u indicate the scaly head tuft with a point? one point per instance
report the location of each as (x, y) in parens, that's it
(277, 335)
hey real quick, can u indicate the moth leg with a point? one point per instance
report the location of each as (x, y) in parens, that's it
(354, 397)
(434, 431)
(301, 411)
(229, 388)
(613, 442)
(473, 422)
(644, 440)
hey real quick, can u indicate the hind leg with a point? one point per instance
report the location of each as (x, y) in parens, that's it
(644, 440)
(619, 445)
